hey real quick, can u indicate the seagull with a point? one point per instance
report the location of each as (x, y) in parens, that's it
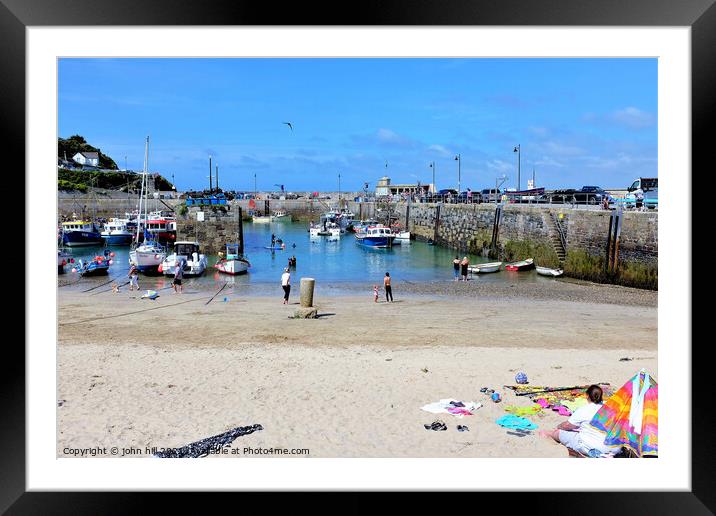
(289, 125)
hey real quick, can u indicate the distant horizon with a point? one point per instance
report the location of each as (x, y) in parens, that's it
(577, 121)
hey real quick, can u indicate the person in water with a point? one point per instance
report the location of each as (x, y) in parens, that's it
(388, 288)
(273, 240)
(463, 268)
(456, 267)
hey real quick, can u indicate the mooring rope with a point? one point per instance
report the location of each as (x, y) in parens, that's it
(130, 313)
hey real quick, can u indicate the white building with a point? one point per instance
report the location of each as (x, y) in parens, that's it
(384, 188)
(90, 159)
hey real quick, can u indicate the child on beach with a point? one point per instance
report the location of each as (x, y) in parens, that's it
(115, 288)
(375, 293)
(133, 277)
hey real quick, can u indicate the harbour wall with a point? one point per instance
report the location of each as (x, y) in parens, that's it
(529, 231)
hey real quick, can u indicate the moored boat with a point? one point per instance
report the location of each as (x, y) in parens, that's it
(188, 254)
(547, 271)
(79, 233)
(376, 236)
(280, 216)
(261, 219)
(99, 265)
(483, 268)
(234, 262)
(521, 265)
(116, 232)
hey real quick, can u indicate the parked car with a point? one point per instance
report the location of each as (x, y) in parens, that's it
(591, 195)
(562, 196)
(643, 192)
(490, 195)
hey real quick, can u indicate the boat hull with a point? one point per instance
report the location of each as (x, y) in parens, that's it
(379, 242)
(80, 238)
(485, 268)
(118, 239)
(546, 271)
(191, 267)
(232, 267)
(146, 261)
(521, 266)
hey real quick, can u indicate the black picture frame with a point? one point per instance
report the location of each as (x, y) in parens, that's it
(699, 15)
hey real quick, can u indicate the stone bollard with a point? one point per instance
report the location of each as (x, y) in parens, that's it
(307, 285)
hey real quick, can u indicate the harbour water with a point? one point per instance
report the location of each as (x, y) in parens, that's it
(330, 262)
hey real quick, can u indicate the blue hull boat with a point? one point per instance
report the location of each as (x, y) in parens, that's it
(117, 239)
(79, 238)
(94, 267)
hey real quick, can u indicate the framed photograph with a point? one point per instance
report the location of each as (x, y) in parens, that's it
(416, 253)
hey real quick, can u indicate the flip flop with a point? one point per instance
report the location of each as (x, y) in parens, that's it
(543, 403)
(462, 428)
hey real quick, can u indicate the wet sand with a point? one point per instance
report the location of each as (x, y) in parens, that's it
(350, 384)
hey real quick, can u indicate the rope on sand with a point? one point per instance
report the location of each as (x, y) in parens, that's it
(107, 290)
(212, 297)
(101, 284)
(130, 313)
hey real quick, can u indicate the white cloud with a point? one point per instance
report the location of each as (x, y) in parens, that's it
(440, 150)
(634, 118)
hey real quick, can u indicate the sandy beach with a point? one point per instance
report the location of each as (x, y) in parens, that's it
(139, 373)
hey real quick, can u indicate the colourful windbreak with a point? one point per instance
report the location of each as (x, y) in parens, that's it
(614, 417)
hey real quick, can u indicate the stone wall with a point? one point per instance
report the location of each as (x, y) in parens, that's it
(214, 232)
(470, 227)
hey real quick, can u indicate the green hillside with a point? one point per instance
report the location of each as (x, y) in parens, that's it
(76, 143)
(81, 180)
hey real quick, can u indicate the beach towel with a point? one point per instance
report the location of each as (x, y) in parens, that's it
(516, 422)
(451, 406)
(523, 411)
(150, 294)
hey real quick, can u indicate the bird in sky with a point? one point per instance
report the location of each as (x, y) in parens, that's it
(289, 125)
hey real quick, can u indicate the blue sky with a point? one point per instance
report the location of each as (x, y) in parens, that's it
(578, 121)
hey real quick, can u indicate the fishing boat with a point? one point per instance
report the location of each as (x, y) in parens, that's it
(234, 262)
(546, 271)
(188, 254)
(80, 232)
(116, 232)
(483, 268)
(97, 266)
(160, 227)
(148, 255)
(521, 265)
(376, 236)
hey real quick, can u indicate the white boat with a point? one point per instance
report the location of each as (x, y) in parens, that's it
(329, 229)
(234, 262)
(281, 216)
(401, 237)
(482, 268)
(265, 219)
(146, 257)
(116, 232)
(546, 271)
(187, 253)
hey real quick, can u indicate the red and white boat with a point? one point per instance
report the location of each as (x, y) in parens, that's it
(524, 265)
(234, 262)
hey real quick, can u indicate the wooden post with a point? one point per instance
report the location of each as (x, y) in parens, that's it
(241, 232)
(608, 262)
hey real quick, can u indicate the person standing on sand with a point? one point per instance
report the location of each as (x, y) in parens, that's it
(286, 285)
(456, 267)
(375, 293)
(133, 277)
(463, 268)
(388, 288)
(178, 275)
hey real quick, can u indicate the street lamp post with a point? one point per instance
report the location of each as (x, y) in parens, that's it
(459, 160)
(255, 191)
(518, 151)
(211, 188)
